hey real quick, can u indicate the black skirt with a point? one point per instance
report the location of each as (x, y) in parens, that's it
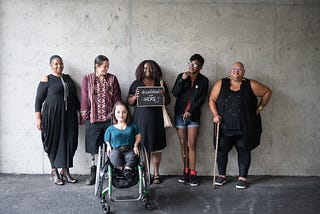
(94, 133)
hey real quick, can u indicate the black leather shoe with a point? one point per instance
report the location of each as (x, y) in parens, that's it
(92, 177)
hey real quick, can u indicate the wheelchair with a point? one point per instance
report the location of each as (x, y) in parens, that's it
(107, 177)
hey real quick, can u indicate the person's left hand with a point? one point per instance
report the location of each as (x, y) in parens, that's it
(136, 150)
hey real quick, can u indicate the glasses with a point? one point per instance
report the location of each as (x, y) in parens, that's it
(237, 69)
(190, 64)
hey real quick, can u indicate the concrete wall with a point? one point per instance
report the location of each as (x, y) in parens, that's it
(278, 41)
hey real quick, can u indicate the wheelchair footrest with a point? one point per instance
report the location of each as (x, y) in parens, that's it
(125, 198)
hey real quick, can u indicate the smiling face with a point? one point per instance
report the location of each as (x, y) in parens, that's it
(147, 70)
(102, 70)
(237, 71)
(121, 113)
(195, 66)
(57, 66)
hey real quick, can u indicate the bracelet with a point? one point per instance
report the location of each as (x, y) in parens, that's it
(260, 107)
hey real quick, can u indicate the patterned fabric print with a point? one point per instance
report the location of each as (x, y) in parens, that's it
(231, 115)
(101, 100)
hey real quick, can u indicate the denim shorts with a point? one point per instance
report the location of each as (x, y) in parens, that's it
(179, 122)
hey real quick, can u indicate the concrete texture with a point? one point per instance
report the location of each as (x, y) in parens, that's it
(278, 41)
(268, 195)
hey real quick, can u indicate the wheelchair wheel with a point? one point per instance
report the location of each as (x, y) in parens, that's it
(99, 174)
(105, 206)
(147, 203)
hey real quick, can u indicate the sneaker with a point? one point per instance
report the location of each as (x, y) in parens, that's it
(220, 181)
(241, 184)
(193, 180)
(184, 178)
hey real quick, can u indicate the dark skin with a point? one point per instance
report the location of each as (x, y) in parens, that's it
(148, 80)
(237, 72)
(193, 72)
(57, 68)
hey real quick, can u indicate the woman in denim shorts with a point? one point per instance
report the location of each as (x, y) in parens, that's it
(190, 89)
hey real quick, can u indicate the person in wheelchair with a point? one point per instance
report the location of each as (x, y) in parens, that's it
(122, 139)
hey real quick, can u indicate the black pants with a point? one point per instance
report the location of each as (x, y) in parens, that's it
(244, 156)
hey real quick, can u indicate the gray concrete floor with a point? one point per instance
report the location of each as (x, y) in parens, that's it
(266, 194)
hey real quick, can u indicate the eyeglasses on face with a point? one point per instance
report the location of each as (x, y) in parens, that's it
(190, 64)
(237, 69)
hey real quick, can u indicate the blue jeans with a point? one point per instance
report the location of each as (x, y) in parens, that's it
(123, 157)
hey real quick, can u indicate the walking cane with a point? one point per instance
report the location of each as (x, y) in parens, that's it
(215, 154)
(185, 147)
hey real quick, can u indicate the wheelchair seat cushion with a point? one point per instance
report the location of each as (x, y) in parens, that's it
(120, 181)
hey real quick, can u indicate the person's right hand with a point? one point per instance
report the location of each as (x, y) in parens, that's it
(137, 94)
(185, 75)
(108, 150)
(217, 119)
(39, 124)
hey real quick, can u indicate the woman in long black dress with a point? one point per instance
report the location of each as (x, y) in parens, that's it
(150, 119)
(56, 107)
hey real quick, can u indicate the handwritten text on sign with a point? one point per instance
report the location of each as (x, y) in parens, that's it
(150, 96)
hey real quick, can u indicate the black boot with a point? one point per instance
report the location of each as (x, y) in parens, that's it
(92, 177)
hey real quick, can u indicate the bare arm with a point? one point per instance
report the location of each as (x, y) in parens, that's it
(136, 144)
(133, 93)
(215, 91)
(132, 98)
(109, 149)
(262, 91)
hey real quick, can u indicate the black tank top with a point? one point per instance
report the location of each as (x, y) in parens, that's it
(231, 114)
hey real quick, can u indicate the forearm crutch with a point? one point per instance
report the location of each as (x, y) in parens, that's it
(185, 147)
(216, 153)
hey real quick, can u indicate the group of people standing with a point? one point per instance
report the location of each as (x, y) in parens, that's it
(233, 102)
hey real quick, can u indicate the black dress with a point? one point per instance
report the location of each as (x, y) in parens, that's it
(150, 122)
(59, 119)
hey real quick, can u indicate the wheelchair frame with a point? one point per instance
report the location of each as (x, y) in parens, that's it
(104, 172)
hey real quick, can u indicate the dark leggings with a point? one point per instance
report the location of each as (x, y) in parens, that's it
(244, 156)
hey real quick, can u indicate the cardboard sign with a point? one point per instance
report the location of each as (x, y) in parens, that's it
(150, 96)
